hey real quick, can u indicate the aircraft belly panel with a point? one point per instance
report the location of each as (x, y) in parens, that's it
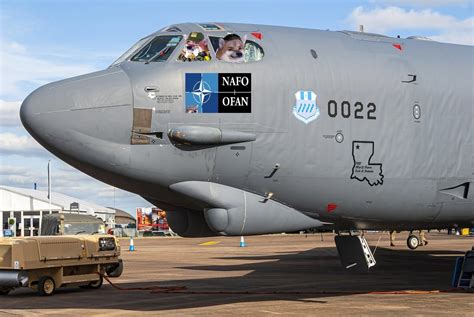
(411, 200)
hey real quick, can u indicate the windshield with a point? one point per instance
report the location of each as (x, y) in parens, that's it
(131, 50)
(157, 50)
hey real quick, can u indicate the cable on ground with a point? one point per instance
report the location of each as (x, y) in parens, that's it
(185, 290)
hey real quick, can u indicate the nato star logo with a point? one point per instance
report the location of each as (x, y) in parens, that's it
(201, 92)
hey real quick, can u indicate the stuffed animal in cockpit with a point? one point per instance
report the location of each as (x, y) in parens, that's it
(232, 48)
(195, 51)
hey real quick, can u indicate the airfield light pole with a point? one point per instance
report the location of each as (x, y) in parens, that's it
(49, 185)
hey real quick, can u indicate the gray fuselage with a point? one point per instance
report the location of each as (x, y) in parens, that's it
(391, 145)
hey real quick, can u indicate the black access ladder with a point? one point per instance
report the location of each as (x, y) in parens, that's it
(464, 278)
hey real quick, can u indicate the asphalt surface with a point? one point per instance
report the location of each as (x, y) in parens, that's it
(274, 275)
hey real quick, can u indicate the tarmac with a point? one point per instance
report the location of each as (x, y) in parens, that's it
(294, 275)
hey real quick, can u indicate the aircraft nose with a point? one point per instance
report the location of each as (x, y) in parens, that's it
(92, 105)
(36, 103)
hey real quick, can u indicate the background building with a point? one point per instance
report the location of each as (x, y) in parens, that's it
(123, 218)
(27, 206)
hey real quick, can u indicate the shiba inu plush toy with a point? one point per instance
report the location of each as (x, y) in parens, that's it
(231, 48)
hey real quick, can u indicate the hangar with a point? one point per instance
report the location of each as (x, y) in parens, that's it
(21, 209)
(123, 218)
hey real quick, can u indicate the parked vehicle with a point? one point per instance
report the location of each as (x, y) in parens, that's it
(47, 263)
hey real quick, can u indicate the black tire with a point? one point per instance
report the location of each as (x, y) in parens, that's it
(413, 242)
(46, 286)
(116, 270)
(96, 284)
(4, 292)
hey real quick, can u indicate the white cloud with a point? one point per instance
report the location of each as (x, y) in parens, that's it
(69, 181)
(10, 113)
(112, 192)
(12, 169)
(64, 178)
(21, 180)
(444, 28)
(11, 143)
(462, 32)
(20, 64)
(385, 19)
(17, 176)
(425, 3)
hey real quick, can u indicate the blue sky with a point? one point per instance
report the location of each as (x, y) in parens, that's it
(43, 41)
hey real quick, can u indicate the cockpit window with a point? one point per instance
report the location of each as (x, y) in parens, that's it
(172, 29)
(195, 49)
(158, 50)
(210, 27)
(236, 49)
(253, 52)
(131, 50)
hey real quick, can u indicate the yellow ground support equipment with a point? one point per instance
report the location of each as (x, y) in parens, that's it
(50, 262)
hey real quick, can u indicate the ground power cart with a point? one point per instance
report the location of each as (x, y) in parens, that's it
(47, 263)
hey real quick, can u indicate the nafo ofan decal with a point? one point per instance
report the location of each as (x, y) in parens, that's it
(218, 93)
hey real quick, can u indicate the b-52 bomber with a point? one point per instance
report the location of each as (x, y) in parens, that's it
(239, 129)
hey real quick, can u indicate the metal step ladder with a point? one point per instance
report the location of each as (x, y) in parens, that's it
(463, 275)
(354, 252)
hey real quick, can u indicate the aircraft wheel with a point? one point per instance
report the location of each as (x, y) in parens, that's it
(46, 286)
(4, 292)
(115, 271)
(96, 284)
(413, 242)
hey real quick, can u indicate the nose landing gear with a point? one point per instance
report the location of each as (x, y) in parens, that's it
(414, 241)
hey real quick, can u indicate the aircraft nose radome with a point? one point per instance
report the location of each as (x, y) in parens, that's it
(25, 113)
(88, 104)
(31, 107)
(84, 119)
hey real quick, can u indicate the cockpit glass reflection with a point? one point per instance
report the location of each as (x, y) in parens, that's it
(130, 51)
(158, 50)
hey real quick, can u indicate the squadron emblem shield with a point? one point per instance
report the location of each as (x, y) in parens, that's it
(305, 108)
